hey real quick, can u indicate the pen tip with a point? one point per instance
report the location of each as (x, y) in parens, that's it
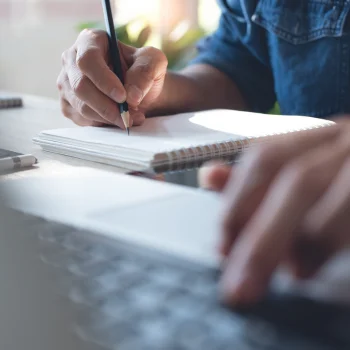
(128, 130)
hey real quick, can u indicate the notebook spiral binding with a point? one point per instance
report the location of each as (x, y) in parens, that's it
(194, 157)
(227, 151)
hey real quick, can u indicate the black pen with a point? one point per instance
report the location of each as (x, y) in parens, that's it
(115, 57)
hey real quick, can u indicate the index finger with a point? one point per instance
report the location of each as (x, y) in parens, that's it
(92, 50)
(259, 168)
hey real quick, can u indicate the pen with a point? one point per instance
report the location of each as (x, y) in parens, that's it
(17, 162)
(115, 57)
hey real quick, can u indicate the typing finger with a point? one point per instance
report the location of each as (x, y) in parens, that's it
(91, 58)
(146, 72)
(253, 177)
(331, 213)
(268, 236)
(326, 227)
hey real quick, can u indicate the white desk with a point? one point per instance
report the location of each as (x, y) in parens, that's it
(19, 125)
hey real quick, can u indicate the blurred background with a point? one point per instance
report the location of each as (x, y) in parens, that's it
(34, 33)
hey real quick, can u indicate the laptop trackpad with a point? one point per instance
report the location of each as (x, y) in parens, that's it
(185, 224)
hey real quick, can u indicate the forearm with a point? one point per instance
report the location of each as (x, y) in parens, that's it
(198, 87)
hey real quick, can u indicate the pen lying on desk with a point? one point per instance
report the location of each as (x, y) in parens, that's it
(115, 57)
(17, 162)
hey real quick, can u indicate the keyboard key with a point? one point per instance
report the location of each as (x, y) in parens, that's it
(203, 285)
(127, 266)
(167, 276)
(224, 324)
(75, 241)
(53, 233)
(116, 305)
(183, 306)
(94, 249)
(109, 336)
(260, 333)
(192, 334)
(65, 260)
(146, 297)
(157, 329)
(92, 270)
(77, 262)
(101, 287)
(145, 344)
(134, 344)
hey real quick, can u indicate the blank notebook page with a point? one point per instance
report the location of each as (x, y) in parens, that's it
(182, 131)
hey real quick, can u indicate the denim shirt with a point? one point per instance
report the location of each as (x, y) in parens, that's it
(296, 52)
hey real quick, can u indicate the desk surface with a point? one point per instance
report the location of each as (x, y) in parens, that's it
(19, 125)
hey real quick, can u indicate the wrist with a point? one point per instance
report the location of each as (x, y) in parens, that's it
(170, 100)
(196, 88)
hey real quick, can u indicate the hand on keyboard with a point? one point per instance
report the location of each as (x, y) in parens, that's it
(286, 202)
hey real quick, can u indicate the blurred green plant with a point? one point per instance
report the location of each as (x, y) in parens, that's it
(179, 49)
(122, 32)
(276, 109)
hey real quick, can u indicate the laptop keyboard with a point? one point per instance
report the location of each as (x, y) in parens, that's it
(132, 298)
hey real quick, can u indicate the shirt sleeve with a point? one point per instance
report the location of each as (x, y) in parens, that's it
(236, 48)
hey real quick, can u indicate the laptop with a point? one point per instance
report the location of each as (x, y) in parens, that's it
(91, 260)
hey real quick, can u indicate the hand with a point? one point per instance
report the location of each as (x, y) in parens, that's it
(89, 89)
(288, 202)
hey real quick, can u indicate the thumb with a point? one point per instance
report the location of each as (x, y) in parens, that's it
(147, 71)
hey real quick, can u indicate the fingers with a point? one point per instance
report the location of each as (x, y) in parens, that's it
(214, 176)
(269, 234)
(81, 113)
(326, 227)
(92, 89)
(91, 59)
(69, 112)
(147, 72)
(81, 108)
(82, 88)
(332, 212)
(256, 173)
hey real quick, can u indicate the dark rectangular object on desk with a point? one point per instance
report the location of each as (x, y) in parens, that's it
(4, 153)
(10, 102)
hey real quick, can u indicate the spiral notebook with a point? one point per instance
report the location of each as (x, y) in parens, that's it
(175, 142)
